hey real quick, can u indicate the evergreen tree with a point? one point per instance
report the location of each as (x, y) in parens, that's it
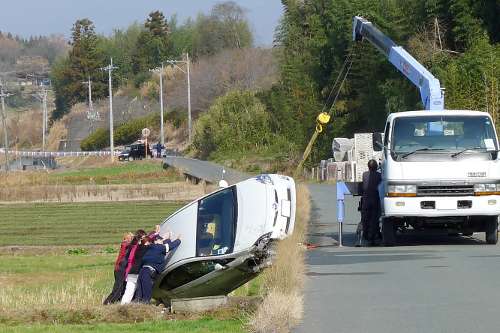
(83, 61)
(152, 44)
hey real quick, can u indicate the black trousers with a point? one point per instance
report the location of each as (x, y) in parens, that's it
(370, 214)
(118, 289)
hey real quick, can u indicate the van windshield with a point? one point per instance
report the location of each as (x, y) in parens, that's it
(443, 133)
(216, 230)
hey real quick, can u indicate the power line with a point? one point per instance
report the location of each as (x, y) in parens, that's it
(110, 69)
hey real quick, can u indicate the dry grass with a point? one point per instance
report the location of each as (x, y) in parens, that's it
(282, 307)
(58, 132)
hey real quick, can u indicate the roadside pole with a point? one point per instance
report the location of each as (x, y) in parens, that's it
(161, 71)
(190, 122)
(110, 69)
(342, 191)
(4, 124)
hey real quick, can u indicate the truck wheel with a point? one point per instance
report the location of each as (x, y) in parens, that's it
(492, 231)
(388, 232)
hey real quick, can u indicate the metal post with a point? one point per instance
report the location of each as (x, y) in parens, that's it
(189, 98)
(4, 124)
(162, 134)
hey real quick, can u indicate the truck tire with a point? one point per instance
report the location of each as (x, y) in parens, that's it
(388, 232)
(492, 230)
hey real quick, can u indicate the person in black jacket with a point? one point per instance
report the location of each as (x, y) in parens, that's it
(153, 263)
(370, 203)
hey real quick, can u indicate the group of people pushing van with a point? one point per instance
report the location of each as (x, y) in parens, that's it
(141, 258)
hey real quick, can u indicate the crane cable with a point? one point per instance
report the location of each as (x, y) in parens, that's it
(324, 117)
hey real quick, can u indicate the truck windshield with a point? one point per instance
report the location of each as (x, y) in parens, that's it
(217, 223)
(443, 134)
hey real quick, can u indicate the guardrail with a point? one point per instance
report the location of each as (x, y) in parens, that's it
(56, 153)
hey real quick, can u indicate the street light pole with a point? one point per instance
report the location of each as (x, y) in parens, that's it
(110, 69)
(4, 124)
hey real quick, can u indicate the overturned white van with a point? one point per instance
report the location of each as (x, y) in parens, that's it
(227, 237)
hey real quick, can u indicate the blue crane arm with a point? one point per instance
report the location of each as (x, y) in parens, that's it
(430, 89)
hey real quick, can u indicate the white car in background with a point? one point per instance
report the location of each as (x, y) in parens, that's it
(227, 237)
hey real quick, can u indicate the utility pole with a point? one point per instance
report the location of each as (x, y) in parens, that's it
(161, 70)
(110, 69)
(190, 124)
(92, 116)
(42, 95)
(187, 62)
(4, 124)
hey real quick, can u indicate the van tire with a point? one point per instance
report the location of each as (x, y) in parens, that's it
(492, 230)
(130, 158)
(388, 232)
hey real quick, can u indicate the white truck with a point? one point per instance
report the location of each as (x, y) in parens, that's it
(440, 168)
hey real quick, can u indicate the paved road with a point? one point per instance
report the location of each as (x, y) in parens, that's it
(208, 171)
(426, 284)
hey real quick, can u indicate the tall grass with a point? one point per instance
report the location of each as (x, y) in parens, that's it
(282, 307)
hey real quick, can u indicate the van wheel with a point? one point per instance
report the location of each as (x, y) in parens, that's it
(492, 230)
(130, 158)
(388, 232)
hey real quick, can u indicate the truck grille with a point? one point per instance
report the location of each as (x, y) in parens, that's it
(445, 190)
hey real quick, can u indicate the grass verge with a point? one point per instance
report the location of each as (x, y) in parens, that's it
(282, 307)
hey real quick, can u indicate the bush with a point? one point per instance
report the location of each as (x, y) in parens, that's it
(124, 134)
(96, 141)
(77, 251)
(131, 131)
(236, 122)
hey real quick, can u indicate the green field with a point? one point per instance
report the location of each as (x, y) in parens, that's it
(137, 172)
(78, 223)
(47, 290)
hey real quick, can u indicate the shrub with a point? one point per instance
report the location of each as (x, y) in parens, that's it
(96, 141)
(236, 122)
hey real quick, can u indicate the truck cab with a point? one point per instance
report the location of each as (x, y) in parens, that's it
(440, 170)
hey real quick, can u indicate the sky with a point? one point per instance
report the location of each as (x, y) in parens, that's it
(38, 17)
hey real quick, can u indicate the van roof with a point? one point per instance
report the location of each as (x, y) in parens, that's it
(393, 116)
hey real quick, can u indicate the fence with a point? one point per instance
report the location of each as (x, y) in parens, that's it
(56, 153)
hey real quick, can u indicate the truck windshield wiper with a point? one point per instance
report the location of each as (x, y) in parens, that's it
(467, 149)
(421, 149)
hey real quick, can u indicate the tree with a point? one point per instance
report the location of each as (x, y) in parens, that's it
(152, 44)
(83, 61)
(225, 28)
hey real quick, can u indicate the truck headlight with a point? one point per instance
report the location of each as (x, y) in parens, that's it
(402, 191)
(487, 189)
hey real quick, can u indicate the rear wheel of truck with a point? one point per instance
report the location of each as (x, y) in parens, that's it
(388, 232)
(492, 230)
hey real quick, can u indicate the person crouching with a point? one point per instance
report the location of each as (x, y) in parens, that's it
(153, 263)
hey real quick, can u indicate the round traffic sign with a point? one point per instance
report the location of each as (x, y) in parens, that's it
(146, 132)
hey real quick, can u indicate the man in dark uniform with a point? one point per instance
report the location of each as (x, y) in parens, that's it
(370, 203)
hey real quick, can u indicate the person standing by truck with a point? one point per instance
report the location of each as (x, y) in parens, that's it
(370, 203)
